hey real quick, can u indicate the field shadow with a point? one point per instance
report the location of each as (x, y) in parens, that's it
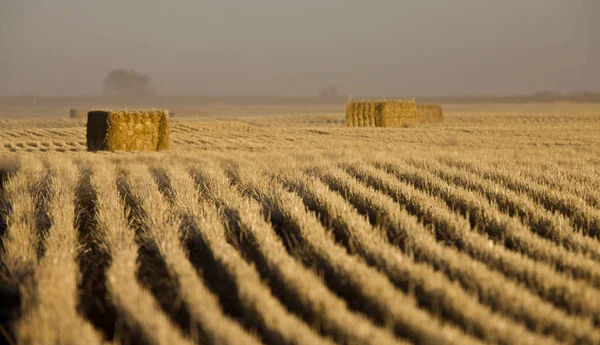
(246, 243)
(291, 235)
(10, 296)
(342, 234)
(153, 273)
(94, 259)
(215, 275)
(43, 194)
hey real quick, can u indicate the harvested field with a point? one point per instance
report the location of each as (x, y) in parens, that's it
(293, 229)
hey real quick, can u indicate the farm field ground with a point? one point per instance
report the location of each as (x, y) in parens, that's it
(282, 226)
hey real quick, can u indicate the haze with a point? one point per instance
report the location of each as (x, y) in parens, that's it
(285, 47)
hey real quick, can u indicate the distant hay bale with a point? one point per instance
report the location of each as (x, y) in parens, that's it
(171, 113)
(128, 130)
(78, 113)
(429, 113)
(395, 113)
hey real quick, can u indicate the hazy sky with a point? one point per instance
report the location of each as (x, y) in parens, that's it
(293, 47)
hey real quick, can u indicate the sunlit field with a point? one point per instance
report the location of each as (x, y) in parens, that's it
(282, 226)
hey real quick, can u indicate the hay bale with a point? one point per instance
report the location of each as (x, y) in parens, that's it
(367, 119)
(393, 113)
(429, 113)
(78, 113)
(350, 114)
(361, 114)
(128, 130)
(396, 113)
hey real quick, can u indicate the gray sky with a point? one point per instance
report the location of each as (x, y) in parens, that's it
(293, 47)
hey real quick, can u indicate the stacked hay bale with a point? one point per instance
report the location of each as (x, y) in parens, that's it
(394, 113)
(128, 130)
(78, 113)
(429, 113)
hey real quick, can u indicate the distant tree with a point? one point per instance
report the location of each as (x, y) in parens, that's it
(123, 82)
(547, 96)
(330, 92)
(584, 96)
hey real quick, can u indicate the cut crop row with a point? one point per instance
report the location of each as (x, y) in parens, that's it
(584, 216)
(432, 289)
(302, 291)
(364, 288)
(456, 231)
(492, 288)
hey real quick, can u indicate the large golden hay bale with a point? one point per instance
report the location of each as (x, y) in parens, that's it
(429, 113)
(393, 113)
(128, 130)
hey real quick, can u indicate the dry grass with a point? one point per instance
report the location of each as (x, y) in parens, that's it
(299, 287)
(438, 293)
(292, 229)
(139, 315)
(493, 288)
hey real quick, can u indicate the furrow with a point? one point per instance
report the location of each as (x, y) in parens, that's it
(94, 258)
(50, 298)
(500, 227)
(139, 312)
(492, 288)
(42, 195)
(575, 180)
(363, 288)
(452, 229)
(581, 214)
(551, 226)
(432, 289)
(202, 315)
(10, 298)
(19, 245)
(21, 239)
(237, 283)
(302, 291)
